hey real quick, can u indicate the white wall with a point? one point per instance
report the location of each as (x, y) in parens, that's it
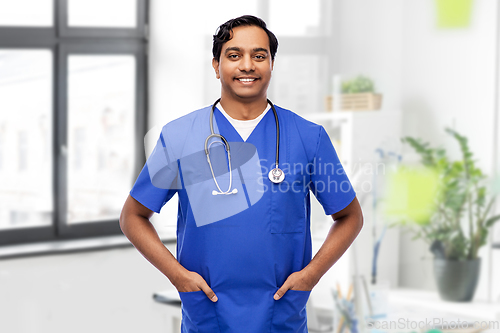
(447, 80)
(449, 76)
(371, 45)
(101, 291)
(431, 78)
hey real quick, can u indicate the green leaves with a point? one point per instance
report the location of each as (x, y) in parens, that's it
(491, 221)
(359, 85)
(461, 194)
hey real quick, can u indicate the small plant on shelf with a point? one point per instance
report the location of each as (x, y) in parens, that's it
(361, 84)
(358, 94)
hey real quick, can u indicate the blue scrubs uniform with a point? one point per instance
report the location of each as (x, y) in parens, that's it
(247, 256)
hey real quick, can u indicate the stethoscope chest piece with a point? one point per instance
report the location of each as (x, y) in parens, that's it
(276, 175)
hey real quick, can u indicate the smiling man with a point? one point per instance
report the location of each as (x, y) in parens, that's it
(244, 65)
(244, 256)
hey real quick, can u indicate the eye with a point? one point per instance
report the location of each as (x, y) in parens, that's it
(260, 57)
(232, 56)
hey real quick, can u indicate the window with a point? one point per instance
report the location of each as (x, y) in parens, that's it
(73, 115)
(26, 133)
(100, 135)
(306, 44)
(82, 13)
(14, 13)
(299, 20)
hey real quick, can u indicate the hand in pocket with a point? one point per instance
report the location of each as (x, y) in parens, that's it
(192, 281)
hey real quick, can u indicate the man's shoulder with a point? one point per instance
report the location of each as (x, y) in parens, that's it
(189, 118)
(302, 124)
(308, 133)
(189, 127)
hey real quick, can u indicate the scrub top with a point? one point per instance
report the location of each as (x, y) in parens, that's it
(244, 245)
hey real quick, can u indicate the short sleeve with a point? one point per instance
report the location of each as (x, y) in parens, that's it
(158, 180)
(329, 182)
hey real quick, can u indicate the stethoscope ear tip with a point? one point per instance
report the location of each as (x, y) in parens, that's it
(235, 191)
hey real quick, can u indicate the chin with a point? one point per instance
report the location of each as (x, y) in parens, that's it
(249, 95)
(249, 98)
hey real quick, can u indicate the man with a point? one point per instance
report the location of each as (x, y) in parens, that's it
(243, 254)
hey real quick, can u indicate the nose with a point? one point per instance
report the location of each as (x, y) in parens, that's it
(246, 64)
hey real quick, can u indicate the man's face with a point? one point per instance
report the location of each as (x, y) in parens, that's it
(245, 65)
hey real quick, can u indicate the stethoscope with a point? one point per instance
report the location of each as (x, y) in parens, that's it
(276, 175)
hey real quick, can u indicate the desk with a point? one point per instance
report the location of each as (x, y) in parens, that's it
(417, 305)
(430, 300)
(408, 308)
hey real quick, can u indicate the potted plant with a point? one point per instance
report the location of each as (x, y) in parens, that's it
(460, 218)
(358, 94)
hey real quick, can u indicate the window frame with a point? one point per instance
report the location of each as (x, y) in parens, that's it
(66, 31)
(63, 42)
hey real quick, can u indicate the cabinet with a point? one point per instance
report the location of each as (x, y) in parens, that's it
(367, 143)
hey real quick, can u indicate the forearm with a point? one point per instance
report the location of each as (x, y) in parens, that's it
(340, 236)
(144, 237)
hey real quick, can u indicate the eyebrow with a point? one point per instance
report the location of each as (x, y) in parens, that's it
(237, 49)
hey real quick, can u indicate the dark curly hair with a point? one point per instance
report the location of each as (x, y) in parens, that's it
(223, 33)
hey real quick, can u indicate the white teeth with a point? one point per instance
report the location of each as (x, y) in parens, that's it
(246, 80)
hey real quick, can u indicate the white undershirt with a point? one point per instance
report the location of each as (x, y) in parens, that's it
(244, 127)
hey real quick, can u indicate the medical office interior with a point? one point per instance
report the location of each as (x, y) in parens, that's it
(85, 87)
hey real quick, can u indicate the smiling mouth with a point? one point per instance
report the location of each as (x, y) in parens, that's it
(246, 79)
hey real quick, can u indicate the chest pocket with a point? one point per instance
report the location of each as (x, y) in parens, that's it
(289, 207)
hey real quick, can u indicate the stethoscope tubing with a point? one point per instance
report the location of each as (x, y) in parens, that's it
(213, 134)
(228, 149)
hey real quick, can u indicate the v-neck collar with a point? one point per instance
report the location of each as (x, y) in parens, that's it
(230, 133)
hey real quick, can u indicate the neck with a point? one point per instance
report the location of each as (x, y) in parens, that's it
(243, 110)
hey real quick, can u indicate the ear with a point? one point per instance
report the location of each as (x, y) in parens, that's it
(272, 65)
(215, 65)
